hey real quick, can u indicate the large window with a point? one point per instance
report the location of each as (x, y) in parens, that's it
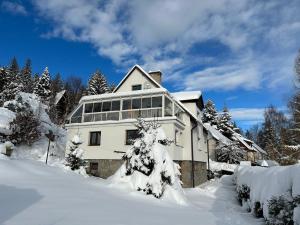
(156, 102)
(77, 116)
(136, 87)
(168, 107)
(95, 138)
(131, 135)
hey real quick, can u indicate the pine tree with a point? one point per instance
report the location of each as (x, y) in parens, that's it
(42, 88)
(74, 159)
(149, 162)
(26, 78)
(3, 78)
(210, 113)
(14, 67)
(224, 124)
(97, 84)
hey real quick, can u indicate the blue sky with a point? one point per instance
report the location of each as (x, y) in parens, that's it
(239, 53)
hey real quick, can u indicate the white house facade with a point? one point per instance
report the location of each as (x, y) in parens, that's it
(106, 124)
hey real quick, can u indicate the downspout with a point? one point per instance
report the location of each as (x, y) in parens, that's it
(192, 151)
(207, 146)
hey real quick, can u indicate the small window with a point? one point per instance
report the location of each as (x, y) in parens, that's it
(97, 107)
(136, 87)
(156, 102)
(88, 108)
(115, 105)
(131, 135)
(126, 104)
(136, 103)
(146, 103)
(95, 138)
(106, 106)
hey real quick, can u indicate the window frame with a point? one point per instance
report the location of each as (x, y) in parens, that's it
(136, 85)
(90, 139)
(127, 141)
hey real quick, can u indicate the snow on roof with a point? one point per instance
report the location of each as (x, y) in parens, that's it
(6, 116)
(217, 134)
(252, 147)
(259, 149)
(58, 96)
(187, 95)
(122, 94)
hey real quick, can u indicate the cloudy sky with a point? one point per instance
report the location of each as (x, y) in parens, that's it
(239, 53)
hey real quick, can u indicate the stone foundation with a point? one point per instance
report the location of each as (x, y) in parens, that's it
(107, 167)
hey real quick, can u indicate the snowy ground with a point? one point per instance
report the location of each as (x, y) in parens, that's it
(32, 193)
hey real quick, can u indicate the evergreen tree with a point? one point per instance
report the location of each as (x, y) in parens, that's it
(14, 67)
(74, 159)
(210, 113)
(230, 153)
(112, 88)
(3, 78)
(224, 124)
(97, 84)
(56, 84)
(26, 78)
(42, 88)
(148, 162)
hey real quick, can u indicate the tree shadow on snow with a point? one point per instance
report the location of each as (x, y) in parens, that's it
(14, 200)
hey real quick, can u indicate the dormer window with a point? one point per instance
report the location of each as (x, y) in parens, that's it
(136, 87)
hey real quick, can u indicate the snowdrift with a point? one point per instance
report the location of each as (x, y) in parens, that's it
(265, 183)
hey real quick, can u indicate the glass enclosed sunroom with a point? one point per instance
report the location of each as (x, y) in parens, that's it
(118, 106)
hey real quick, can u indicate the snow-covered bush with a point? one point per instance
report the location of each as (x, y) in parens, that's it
(148, 167)
(243, 192)
(74, 159)
(276, 189)
(25, 125)
(230, 153)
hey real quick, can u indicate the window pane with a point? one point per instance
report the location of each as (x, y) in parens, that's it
(95, 138)
(106, 106)
(146, 103)
(136, 103)
(168, 107)
(131, 135)
(97, 107)
(76, 117)
(115, 105)
(156, 102)
(126, 104)
(88, 108)
(137, 87)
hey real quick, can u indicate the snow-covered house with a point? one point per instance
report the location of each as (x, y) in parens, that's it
(106, 124)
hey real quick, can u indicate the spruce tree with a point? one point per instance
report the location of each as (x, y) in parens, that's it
(224, 124)
(148, 164)
(210, 113)
(97, 84)
(14, 66)
(230, 153)
(74, 159)
(42, 88)
(26, 77)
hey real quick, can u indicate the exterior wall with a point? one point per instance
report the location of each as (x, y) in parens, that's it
(136, 77)
(113, 137)
(212, 145)
(107, 167)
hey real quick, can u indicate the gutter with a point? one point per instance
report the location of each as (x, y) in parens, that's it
(192, 152)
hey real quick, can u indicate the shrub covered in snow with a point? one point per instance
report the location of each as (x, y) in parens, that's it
(274, 192)
(230, 153)
(74, 159)
(148, 166)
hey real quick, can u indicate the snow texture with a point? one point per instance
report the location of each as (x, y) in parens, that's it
(186, 95)
(266, 183)
(6, 116)
(217, 134)
(33, 193)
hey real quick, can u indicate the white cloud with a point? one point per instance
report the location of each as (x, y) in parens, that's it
(247, 114)
(261, 37)
(14, 8)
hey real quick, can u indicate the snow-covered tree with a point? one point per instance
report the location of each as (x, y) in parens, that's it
(26, 78)
(148, 166)
(97, 84)
(224, 124)
(232, 153)
(74, 159)
(25, 126)
(210, 114)
(42, 87)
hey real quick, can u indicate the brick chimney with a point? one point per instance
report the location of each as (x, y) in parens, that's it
(156, 75)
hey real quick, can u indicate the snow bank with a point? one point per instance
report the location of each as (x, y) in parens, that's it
(6, 116)
(265, 183)
(218, 166)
